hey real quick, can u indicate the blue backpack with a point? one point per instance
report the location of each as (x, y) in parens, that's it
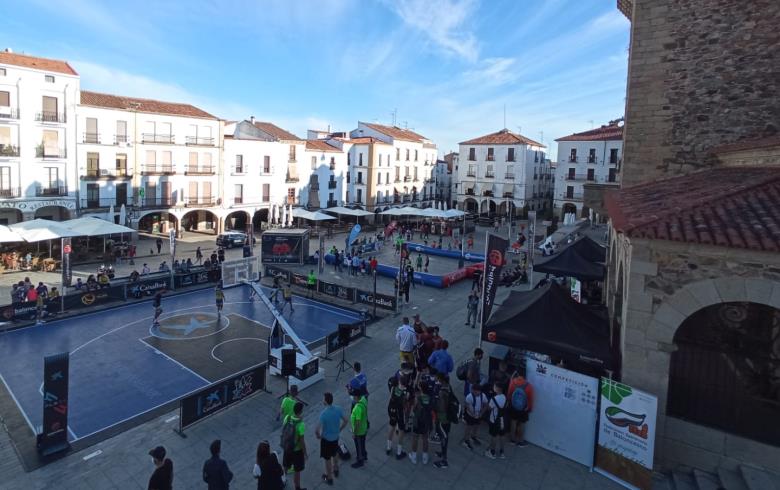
(520, 398)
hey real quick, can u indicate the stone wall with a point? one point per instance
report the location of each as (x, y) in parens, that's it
(664, 283)
(702, 73)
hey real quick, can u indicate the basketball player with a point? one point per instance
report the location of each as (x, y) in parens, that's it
(156, 304)
(220, 297)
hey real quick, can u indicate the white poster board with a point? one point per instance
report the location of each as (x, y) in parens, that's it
(563, 419)
(627, 433)
(576, 290)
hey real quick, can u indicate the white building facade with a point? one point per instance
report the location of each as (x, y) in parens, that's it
(590, 157)
(442, 176)
(38, 177)
(502, 173)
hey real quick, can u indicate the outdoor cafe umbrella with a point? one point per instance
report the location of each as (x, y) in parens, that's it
(7, 235)
(123, 215)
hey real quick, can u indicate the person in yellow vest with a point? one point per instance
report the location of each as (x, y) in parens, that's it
(311, 283)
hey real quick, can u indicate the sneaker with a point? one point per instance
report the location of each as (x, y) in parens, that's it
(501, 455)
(388, 451)
(467, 445)
(521, 444)
(425, 458)
(358, 464)
(476, 441)
(490, 454)
(438, 454)
(434, 438)
(441, 464)
(413, 458)
(327, 480)
(400, 456)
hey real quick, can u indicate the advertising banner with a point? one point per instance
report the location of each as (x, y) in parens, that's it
(272, 271)
(54, 436)
(563, 419)
(299, 280)
(281, 248)
(220, 395)
(576, 290)
(96, 297)
(148, 287)
(67, 270)
(383, 301)
(353, 234)
(191, 279)
(531, 237)
(27, 310)
(494, 261)
(333, 342)
(626, 435)
(335, 290)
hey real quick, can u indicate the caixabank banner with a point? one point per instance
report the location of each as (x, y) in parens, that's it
(626, 435)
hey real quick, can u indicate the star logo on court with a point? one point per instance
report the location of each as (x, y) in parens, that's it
(195, 323)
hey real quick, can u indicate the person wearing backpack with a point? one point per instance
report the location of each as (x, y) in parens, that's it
(447, 413)
(497, 417)
(475, 406)
(423, 421)
(294, 445)
(470, 372)
(396, 413)
(521, 402)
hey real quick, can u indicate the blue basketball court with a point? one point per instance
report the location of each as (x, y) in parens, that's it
(122, 367)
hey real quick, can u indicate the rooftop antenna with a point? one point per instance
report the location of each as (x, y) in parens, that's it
(591, 123)
(519, 130)
(394, 113)
(406, 124)
(504, 116)
(541, 136)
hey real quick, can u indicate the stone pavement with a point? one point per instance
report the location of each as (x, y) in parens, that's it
(123, 462)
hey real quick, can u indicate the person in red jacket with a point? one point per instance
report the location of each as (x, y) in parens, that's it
(519, 407)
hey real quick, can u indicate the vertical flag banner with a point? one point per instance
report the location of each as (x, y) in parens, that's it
(67, 271)
(54, 437)
(322, 254)
(495, 252)
(353, 236)
(531, 235)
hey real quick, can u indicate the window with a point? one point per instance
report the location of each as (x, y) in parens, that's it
(266, 164)
(2, 72)
(239, 164)
(53, 174)
(5, 180)
(613, 154)
(569, 191)
(349, 159)
(347, 177)
(397, 174)
(489, 171)
(5, 136)
(314, 163)
(359, 178)
(292, 153)
(121, 194)
(360, 196)
(490, 155)
(121, 131)
(49, 78)
(333, 163)
(151, 158)
(591, 176)
(415, 173)
(93, 196)
(472, 154)
(573, 155)
(266, 192)
(166, 161)
(192, 198)
(51, 146)
(49, 105)
(121, 164)
(415, 155)
(592, 155)
(612, 175)
(397, 154)
(91, 136)
(360, 159)
(93, 164)
(572, 171)
(239, 194)
(290, 195)
(380, 159)
(472, 171)
(407, 154)
(5, 99)
(193, 163)
(510, 171)
(387, 177)
(510, 155)
(207, 162)
(165, 129)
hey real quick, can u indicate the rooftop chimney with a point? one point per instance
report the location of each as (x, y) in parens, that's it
(252, 119)
(9, 50)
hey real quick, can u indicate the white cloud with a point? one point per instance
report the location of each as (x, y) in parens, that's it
(443, 22)
(492, 72)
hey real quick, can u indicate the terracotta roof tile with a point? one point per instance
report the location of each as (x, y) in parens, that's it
(503, 137)
(604, 133)
(363, 140)
(396, 132)
(141, 105)
(320, 145)
(748, 144)
(736, 207)
(276, 131)
(34, 62)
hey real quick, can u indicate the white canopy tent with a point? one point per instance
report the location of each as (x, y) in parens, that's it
(38, 230)
(92, 226)
(7, 235)
(348, 212)
(309, 215)
(453, 213)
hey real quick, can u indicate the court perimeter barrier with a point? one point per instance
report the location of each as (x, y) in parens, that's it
(220, 395)
(433, 280)
(333, 342)
(94, 297)
(342, 292)
(384, 301)
(28, 310)
(452, 254)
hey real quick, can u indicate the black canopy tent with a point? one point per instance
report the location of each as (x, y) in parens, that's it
(569, 262)
(548, 321)
(589, 249)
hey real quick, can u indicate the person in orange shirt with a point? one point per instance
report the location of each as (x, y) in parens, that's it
(521, 403)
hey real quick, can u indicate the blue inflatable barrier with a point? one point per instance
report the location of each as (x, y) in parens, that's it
(419, 277)
(452, 254)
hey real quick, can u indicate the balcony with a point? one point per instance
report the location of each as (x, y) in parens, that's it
(509, 195)
(9, 151)
(333, 204)
(120, 139)
(291, 178)
(591, 159)
(470, 192)
(509, 176)
(407, 178)
(266, 171)
(238, 200)
(489, 175)
(157, 170)
(165, 139)
(573, 159)
(51, 191)
(359, 182)
(91, 138)
(332, 184)
(202, 170)
(397, 180)
(9, 113)
(155, 202)
(199, 201)
(238, 171)
(575, 196)
(199, 141)
(102, 202)
(471, 174)
(51, 117)
(42, 152)
(575, 177)
(10, 192)
(491, 158)
(487, 194)
(106, 174)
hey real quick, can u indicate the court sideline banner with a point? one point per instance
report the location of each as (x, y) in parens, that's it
(337, 291)
(54, 437)
(384, 301)
(272, 271)
(94, 297)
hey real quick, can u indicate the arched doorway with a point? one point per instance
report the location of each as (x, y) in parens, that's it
(53, 213)
(237, 220)
(568, 208)
(725, 372)
(10, 216)
(157, 222)
(201, 221)
(585, 212)
(260, 217)
(470, 205)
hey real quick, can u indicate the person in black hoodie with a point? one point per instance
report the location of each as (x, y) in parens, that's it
(215, 470)
(162, 478)
(268, 472)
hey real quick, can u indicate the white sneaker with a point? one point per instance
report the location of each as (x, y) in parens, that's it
(489, 454)
(425, 458)
(413, 458)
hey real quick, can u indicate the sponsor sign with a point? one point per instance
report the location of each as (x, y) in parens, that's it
(576, 290)
(220, 395)
(282, 248)
(25, 311)
(148, 287)
(333, 342)
(299, 280)
(191, 279)
(277, 271)
(380, 300)
(54, 436)
(92, 298)
(494, 262)
(626, 434)
(531, 237)
(67, 271)
(341, 292)
(353, 234)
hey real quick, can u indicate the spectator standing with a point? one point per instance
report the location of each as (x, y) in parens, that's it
(497, 419)
(475, 405)
(162, 477)
(441, 361)
(400, 398)
(145, 270)
(520, 406)
(332, 421)
(215, 470)
(407, 339)
(267, 471)
(443, 422)
(159, 243)
(295, 454)
(358, 385)
(311, 283)
(359, 424)
(287, 295)
(198, 255)
(471, 307)
(423, 421)
(287, 408)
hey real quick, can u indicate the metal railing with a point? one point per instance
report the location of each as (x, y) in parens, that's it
(9, 151)
(157, 170)
(51, 191)
(201, 170)
(332, 184)
(9, 113)
(199, 141)
(157, 138)
(509, 176)
(592, 159)
(103, 202)
(46, 116)
(155, 202)
(199, 201)
(571, 195)
(238, 170)
(43, 152)
(108, 173)
(407, 178)
(10, 192)
(120, 138)
(471, 174)
(333, 204)
(93, 138)
(572, 159)
(490, 175)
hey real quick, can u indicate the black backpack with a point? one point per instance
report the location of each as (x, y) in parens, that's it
(453, 408)
(463, 370)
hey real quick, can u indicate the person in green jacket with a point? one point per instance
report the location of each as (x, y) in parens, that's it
(311, 283)
(359, 424)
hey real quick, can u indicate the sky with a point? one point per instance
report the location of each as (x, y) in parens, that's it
(449, 69)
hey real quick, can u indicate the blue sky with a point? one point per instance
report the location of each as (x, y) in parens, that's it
(447, 66)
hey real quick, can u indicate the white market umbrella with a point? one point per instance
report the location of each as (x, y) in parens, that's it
(284, 216)
(453, 213)
(290, 217)
(111, 213)
(38, 230)
(7, 235)
(123, 215)
(93, 226)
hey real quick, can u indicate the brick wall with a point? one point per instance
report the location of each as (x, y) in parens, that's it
(702, 73)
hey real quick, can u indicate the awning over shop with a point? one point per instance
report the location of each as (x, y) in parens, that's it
(548, 321)
(91, 226)
(7, 235)
(38, 230)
